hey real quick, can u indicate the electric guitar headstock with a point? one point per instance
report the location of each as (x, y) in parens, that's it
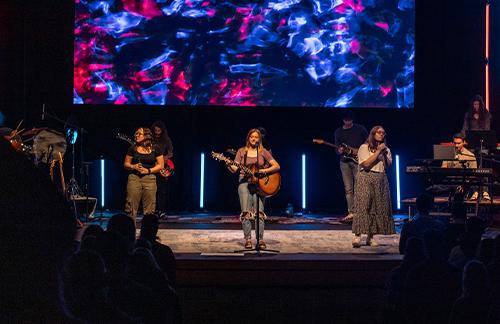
(125, 138)
(318, 141)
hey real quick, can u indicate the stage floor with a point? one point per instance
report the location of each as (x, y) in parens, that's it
(223, 241)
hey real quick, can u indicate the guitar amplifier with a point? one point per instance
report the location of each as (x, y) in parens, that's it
(85, 206)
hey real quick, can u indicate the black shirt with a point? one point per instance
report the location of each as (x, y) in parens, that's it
(353, 137)
(147, 160)
(165, 145)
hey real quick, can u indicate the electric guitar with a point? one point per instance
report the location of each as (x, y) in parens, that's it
(168, 168)
(350, 153)
(268, 185)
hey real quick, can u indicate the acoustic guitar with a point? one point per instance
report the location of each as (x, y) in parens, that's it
(350, 153)
(168, 168)
(267, 185)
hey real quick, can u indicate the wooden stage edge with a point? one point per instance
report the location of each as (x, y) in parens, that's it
(285, 270)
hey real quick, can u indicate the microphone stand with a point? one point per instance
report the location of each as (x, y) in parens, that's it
(258, 250)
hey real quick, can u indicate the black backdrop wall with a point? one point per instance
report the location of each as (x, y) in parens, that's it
(36, 68)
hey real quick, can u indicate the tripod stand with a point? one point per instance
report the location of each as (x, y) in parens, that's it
(258, 250)
(73, 190)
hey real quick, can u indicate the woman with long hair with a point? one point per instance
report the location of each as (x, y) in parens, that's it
(248, 193)
(372, 198)
(143, 160)
(477, 117)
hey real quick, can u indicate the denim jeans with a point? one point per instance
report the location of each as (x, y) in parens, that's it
(248, 204)
(349, 172)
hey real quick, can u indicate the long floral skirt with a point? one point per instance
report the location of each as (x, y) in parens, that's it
(372, 205)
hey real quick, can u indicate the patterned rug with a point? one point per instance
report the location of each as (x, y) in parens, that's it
(235, 219)
(286, 241)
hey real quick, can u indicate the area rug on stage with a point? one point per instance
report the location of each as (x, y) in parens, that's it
(290, 241)
(235, 219)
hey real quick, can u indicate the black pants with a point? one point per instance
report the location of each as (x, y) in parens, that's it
(161, 194)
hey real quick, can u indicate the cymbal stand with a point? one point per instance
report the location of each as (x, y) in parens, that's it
(73, 187)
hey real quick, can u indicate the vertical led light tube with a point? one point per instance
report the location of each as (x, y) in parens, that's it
(398, 184)
(487, 54)
(303, 182)
(202, 180)
(102, 183)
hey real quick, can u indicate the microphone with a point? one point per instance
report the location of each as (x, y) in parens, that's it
(43, 112)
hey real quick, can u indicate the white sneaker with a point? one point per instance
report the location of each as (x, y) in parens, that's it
(474, 196)
(486, 196)
(371, 242)
(356, 242)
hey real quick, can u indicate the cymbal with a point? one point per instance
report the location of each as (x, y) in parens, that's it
(33, 131)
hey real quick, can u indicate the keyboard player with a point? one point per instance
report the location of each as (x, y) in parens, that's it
(464, 159)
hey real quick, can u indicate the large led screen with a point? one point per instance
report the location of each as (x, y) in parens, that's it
(335, 53)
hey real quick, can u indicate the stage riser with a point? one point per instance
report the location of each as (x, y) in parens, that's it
(284, 288)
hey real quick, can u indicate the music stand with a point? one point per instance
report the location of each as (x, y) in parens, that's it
(481, 139)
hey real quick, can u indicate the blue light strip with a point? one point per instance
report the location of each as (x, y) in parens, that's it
(202, 179)
(102, 183)
(398, 187)
(303, 182)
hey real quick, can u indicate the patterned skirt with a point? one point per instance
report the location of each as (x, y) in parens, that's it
(372, 205)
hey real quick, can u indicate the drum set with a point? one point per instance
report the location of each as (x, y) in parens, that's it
(48, 145)
(47, 151)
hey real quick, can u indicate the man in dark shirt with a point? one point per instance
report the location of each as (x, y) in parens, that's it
(352, 135)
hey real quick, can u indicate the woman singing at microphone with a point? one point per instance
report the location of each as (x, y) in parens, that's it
(372, 198)
(247, 156)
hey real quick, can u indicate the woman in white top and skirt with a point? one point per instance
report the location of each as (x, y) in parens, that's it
(372, 198)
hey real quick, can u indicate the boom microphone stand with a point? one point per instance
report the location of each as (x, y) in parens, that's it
(257, 248)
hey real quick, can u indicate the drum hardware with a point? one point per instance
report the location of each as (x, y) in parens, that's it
(73, 187)
(71, 128)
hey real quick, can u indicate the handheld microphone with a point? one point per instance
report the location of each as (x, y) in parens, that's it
(43, 112)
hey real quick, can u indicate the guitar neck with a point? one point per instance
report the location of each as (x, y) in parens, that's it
(239, 165)
(331, 145)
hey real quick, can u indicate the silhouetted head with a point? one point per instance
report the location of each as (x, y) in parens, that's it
(124, 225)
(149, 227)
(424, 203)
(475, 281)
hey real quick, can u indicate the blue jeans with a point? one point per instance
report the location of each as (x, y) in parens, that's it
(248, 204)
(349, 172)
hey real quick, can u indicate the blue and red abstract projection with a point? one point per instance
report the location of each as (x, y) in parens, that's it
(335, 53)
